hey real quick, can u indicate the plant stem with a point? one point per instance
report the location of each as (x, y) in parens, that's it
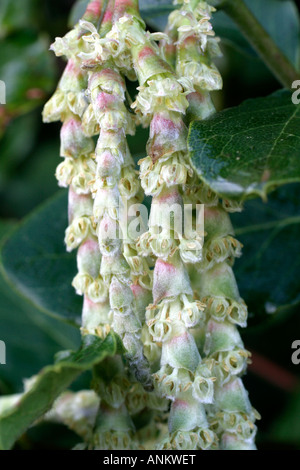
(262, 42)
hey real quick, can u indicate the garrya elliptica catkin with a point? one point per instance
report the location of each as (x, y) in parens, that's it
(169, 292)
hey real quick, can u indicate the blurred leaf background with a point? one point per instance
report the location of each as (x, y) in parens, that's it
(268, 273)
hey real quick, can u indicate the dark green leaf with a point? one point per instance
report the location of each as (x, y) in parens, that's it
(250, 149)
(31, 338)
(268, 271)
(36, 263)
(48, 385)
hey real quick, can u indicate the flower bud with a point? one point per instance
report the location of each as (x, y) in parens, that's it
(168, 135)
(181, 352)
(187, 414)
(163, 94)
(110, 82)
(81, 283)
(97, 291)
(143, 244)
(88, 258)
(217, 223)
(202, 74)
(192, 312)
(114, 392)
(79, 174)
(125, 322)
(108, 164)
(203, 385)
(56, 108)
(218, 250)
(94, 315)
(171, 382)
(80, 229)
(221, 337)
(121, 296)
(151, 350)
(80, 205)
(90, 126)
(67, 46)
(129, 184)
(162, 246)
(114, 265)
(173, 173)
(160, 329)
(65, 173)
(191, 249)
(136, 399)
(142, 298)
(116, 143)
(200, 106)
(233, 397)
(106, 202)
(84, 176)
(147, 62)
(113, 428)
(237, 423)
(170, 279)
(69, 96)
(74, 143)
(109, 236)
(222, 297)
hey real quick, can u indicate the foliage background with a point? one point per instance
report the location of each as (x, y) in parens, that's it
(268, 273)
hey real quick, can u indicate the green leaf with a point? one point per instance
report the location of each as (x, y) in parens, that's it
(268, 272)
(48, 385)
(250, 149)
(31, 339)
(35, 261)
